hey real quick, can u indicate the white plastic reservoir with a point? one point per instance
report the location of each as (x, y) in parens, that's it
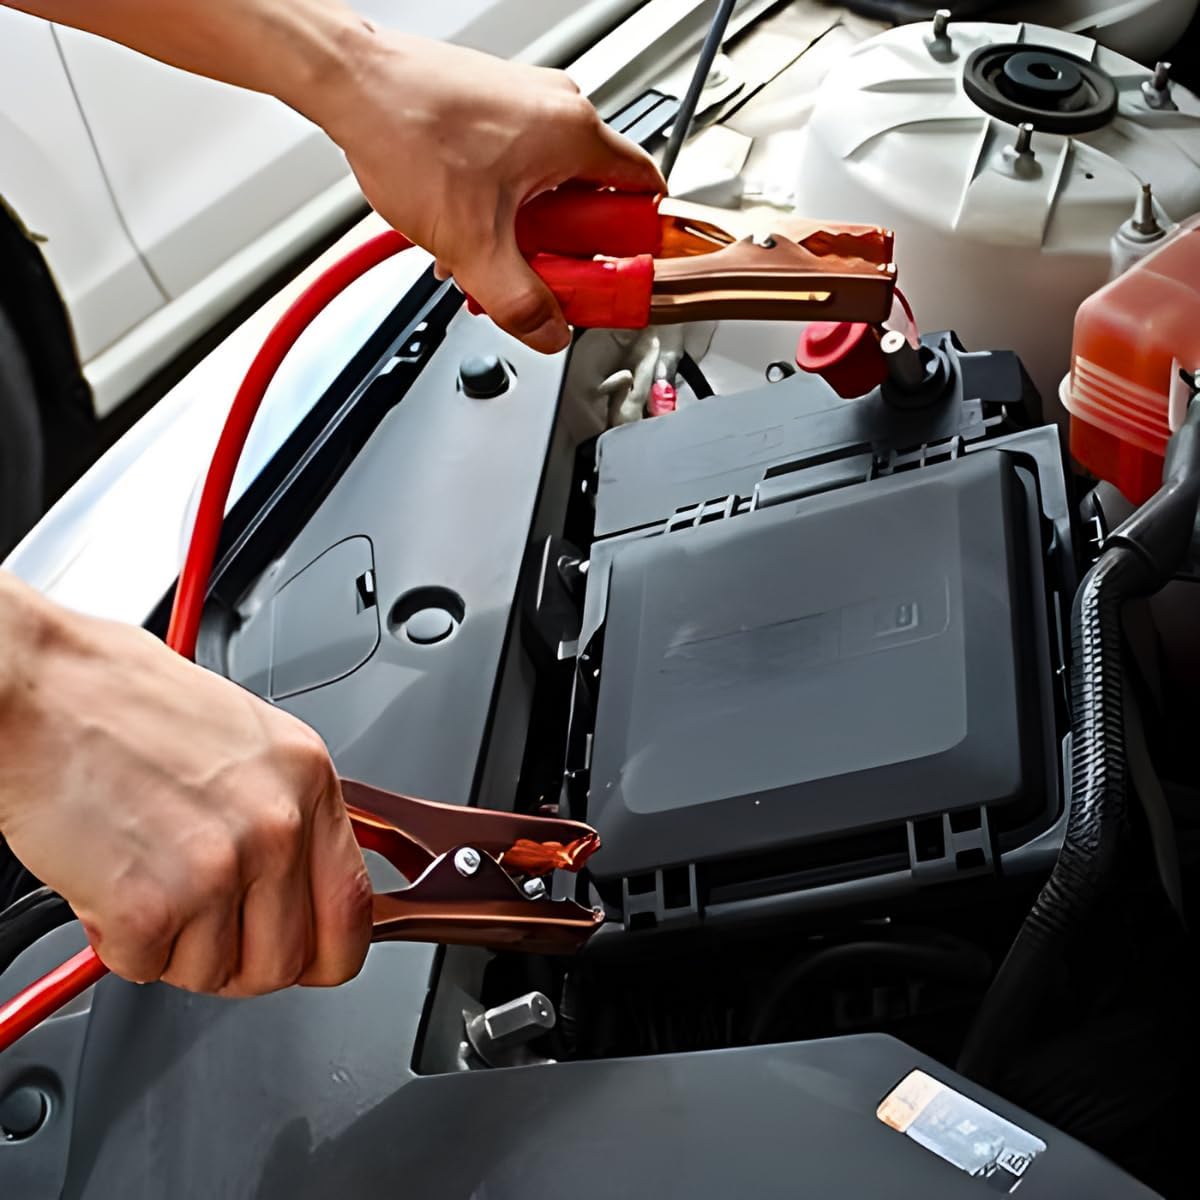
(1000, 232)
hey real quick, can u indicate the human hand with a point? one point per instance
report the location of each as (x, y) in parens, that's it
(447, 143)
(196, 831)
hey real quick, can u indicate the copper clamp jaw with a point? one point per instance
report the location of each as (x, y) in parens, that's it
(476, 877)
(755, 266)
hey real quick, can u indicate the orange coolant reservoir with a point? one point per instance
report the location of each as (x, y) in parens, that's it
(1136, 345)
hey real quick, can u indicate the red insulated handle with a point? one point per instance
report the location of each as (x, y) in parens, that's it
(584, 221)
(601, 293)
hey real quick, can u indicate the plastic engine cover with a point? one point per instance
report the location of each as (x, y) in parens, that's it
(818, 648)
(817, 667)
(981, 231)
(791, 1122)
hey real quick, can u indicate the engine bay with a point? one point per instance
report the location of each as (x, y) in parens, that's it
(830, 671)
(803, 662)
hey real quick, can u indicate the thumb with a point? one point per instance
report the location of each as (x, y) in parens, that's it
(614, 161)
(507, 289)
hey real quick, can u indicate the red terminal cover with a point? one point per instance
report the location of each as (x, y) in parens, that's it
(663, 398)
(585, 221)
(845, 354)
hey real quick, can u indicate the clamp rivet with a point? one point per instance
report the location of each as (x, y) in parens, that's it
(941, 22)
(535, 889)
(1024, 142)
(467, 860)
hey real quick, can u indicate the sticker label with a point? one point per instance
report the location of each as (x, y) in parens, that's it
(960, 1131)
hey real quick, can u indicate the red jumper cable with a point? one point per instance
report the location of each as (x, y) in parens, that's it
(47, 995)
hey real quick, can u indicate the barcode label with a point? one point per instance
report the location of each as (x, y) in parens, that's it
(960, 1131)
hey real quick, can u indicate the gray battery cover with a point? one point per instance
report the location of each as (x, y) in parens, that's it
(821, 666)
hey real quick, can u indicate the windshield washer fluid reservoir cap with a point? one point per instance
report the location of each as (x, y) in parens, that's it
(1001, 232)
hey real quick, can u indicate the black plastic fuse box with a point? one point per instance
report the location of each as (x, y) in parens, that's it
(836, 671)
(832, 664)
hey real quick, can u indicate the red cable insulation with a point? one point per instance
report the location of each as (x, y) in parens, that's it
(914, 334)
(47, 995)
(192, 588)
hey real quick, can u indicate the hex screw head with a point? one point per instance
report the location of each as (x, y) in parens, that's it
(466, 861)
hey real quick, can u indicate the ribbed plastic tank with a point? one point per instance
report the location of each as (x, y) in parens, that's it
(1000, 232)
(1136, 353)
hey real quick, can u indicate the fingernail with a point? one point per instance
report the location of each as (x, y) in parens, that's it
(551, 336)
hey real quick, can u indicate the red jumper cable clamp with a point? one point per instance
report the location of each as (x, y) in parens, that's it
(625, 260)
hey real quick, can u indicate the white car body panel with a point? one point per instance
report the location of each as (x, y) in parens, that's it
(198, 168)
(112, 545)
(215, 188)
(117, 371)
(50, 178)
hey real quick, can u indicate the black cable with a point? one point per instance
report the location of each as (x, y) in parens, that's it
(1139, 558)
(687, 110)
(694, 377)
(26, 920)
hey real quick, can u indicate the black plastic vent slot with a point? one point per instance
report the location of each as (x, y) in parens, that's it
(837, 860)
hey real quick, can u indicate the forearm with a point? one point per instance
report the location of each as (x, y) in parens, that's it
(27, 626)
(298, 50)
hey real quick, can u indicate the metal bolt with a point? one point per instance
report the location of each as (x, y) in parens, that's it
(1156, 90)
(1145, 220)
(937, 41)
(1024, 142)
(510, 1025)
(535, 889)
(466, 861)
(764, 240)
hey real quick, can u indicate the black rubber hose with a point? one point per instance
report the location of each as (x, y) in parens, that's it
(26, 920)
(687, 110)
(957, 962)
(1139, 558)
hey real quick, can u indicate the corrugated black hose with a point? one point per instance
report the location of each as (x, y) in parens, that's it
(1139, 558)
